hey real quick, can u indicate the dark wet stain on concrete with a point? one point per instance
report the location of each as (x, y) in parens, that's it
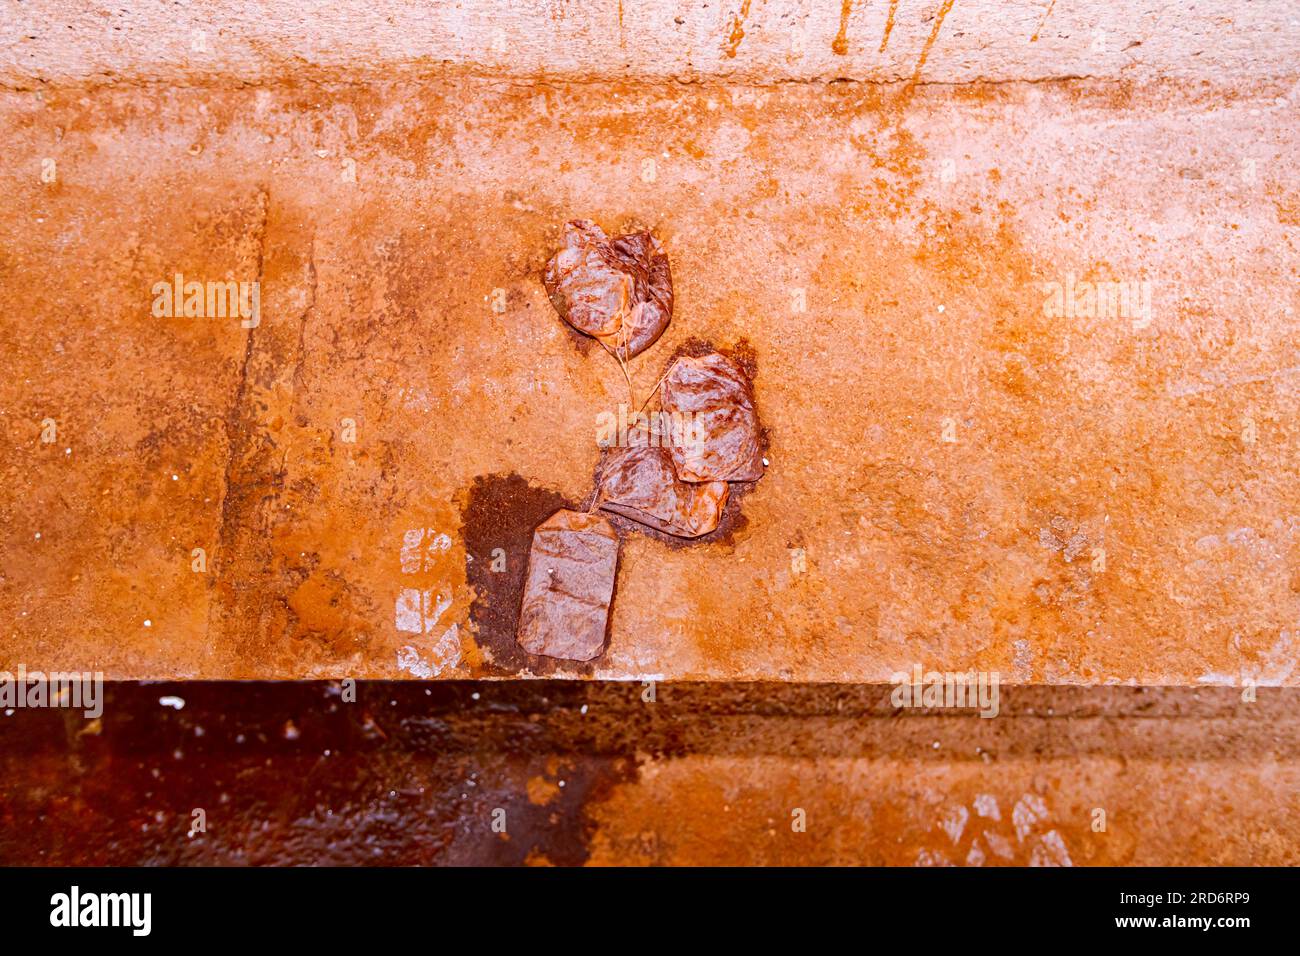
(501, 512)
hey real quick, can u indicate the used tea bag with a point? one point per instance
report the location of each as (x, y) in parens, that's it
(639, 483)
(714, 398)
(618, 290)
(570, 584)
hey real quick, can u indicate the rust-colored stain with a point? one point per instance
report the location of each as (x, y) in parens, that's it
(1041, 23)
(737, 34)
(840, 45)
(542, 791)
(930, 40)
(889, 25)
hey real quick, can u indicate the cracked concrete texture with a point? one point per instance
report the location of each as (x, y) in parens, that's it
(966, 471)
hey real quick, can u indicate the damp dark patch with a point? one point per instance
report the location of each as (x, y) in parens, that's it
(502, 511)
(559, 830)
(742, 353)
(309, 777)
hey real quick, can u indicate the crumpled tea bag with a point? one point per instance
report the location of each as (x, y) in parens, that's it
(619, 291)
(569, 587)
(639, 483)
(713, 395)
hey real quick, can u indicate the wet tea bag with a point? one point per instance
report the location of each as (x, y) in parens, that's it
(569, 586)
(640, 484)
(619, 291)
(712, 400)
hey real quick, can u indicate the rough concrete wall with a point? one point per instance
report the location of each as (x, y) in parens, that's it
(54, 41)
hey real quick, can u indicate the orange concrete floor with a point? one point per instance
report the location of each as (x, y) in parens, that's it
(966, 472)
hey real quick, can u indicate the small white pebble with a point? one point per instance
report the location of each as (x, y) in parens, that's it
(474, 695)
(766, 462)
(940, 308)
(175, 703)
(38, 536)
(174, 478)
(67, 451)
(148, 623)
(582, 709)
(936, 745)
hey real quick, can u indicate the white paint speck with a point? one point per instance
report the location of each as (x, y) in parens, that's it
(986, 805)
(175, 703)
(148, 623)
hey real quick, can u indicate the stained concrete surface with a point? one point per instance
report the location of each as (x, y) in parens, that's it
(965, 472)
(962, 475)
(942, 41)
(594, 773)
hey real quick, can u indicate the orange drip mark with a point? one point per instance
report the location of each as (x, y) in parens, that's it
(929, 41)
(841, 44)
(1048, 13)
(737, 30)
(889, 25)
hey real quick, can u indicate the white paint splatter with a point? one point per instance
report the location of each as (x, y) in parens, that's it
(954, 822)
(1028, 811)
(1050, 851)
(444, 655)
(986, 805)
(419, 611)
